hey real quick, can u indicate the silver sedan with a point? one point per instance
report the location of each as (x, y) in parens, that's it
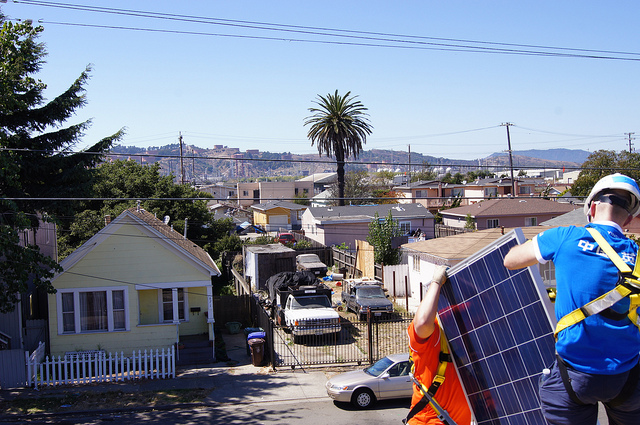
(385, 379)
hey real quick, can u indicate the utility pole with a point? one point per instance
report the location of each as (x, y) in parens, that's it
(513, 184)
(630, 139)
(181, 161)
(409, 179)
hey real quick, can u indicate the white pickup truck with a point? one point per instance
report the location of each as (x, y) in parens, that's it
(310, 314)
(306, 310)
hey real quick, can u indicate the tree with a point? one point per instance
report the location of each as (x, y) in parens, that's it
(602, 163)
(381, 234)
(339, 127)
(36, 158)
(357, 189)
(469, 222)
(130, 181)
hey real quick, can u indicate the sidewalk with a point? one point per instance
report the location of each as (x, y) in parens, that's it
(236, 381)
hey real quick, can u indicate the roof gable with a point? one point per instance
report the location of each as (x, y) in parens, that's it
(154, 228)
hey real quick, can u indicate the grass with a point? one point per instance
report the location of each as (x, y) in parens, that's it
(102, 400)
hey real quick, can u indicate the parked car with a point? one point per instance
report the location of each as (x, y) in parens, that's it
(312, 263)
(385, 379)
(365, 296)
(285, 238)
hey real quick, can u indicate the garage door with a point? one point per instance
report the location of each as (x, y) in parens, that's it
(279, 219)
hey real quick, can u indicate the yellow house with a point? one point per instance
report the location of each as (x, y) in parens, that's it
(135, 285)
(277, 215)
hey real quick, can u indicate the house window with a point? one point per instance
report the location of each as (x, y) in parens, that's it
(492, 223)
(416, 263)
(405, 227)
(525, 190)
(457, 192)
(168, 301)
(418, 193)
(68, 314)
(245, 193)
(490, 192)
(96, 310)
(530, 221)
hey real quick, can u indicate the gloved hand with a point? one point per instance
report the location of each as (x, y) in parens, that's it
(440, 275)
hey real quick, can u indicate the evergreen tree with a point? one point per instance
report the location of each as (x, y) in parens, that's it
(35, 157)
(35, 146)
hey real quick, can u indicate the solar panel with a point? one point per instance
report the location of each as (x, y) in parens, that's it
(499, 324)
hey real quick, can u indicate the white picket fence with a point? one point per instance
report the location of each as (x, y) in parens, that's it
(97, 366)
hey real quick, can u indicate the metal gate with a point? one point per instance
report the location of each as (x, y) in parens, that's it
(356, 342)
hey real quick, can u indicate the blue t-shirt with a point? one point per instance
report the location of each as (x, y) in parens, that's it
(583, 273)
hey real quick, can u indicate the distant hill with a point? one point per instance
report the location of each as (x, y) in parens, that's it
(223, 162)
(577, 156)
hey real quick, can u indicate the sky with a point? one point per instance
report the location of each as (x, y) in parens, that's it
(440, 78)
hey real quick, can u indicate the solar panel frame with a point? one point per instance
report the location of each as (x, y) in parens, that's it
(499, 324)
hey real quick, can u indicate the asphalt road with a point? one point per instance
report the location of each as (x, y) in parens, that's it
(308, 412)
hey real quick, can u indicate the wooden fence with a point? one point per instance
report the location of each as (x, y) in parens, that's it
(90, 367)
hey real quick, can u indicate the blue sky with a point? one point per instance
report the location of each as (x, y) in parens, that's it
(251, 88)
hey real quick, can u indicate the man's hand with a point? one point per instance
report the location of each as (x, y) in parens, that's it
(440, 275)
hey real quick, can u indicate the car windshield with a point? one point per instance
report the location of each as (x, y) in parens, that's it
(378, 367)
(374, 292)
(311, 302)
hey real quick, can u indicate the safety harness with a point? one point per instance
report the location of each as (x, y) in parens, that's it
(628, 286)
(428, 394)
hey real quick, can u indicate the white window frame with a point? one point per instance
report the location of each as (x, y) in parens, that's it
(175, 303)
(76, 309)
(493, 223)
(530, 221)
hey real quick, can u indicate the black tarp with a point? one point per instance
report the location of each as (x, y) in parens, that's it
(293, 280)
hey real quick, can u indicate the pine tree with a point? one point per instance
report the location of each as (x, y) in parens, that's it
(36, 158)
(35, 146)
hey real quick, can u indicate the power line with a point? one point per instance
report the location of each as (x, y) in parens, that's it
(371, 39)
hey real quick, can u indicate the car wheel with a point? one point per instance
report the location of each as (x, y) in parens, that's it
(363, 398)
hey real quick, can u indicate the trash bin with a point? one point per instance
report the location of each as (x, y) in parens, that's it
(233, 327)
(254, 335)
(257, 351)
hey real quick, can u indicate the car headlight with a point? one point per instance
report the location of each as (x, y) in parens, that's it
(339, 387)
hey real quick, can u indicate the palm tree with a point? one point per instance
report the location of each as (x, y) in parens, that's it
(339, 127)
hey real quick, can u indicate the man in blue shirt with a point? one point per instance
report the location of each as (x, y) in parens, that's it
(598, 356)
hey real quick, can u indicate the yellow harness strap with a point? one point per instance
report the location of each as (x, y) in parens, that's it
(438, 379)
(616, 294)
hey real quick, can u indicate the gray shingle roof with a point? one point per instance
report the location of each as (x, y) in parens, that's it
(367, 212)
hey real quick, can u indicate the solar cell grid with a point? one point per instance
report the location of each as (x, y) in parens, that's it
(498, 323)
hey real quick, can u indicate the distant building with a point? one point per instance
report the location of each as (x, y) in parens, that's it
(506, 212)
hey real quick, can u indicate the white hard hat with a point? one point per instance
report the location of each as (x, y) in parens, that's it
(616, 181)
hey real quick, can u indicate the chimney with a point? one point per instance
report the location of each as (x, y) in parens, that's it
(107, 219)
